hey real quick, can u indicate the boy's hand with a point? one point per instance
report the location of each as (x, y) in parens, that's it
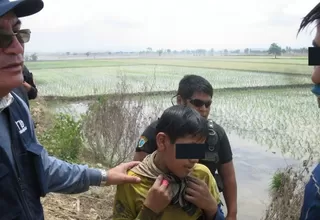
(198, 193)
(159, 195)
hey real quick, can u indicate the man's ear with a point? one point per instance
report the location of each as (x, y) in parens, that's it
(161, 140)
(179, 100)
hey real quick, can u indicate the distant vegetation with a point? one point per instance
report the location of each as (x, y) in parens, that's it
(164, 52)
(33, 57)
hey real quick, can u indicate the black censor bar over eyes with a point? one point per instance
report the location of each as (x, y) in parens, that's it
(191, 151)
(314, 55)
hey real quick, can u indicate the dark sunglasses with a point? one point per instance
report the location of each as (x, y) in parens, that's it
(199, 103)
(6, 39)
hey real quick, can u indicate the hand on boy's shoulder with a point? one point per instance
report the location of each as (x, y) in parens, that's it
(144, 184)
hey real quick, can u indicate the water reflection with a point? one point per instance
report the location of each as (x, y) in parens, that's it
(255, 166)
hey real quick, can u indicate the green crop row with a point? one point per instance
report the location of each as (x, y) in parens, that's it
(260, 64)
(103, 80)
(283, 119)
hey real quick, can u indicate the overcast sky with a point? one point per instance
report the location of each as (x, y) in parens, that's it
(134, 25)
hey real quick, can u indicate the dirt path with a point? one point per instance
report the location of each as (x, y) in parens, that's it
(92, 205)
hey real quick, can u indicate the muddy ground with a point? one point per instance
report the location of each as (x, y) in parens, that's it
(95, 204)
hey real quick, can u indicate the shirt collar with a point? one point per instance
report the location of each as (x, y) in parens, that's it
(5, 101)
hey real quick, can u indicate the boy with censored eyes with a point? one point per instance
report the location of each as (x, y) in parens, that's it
(171, 188)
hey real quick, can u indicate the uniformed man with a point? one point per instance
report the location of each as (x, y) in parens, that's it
(29, 83)
(28, 90)
(197, 92)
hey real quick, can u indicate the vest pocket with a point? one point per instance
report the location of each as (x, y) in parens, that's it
(32, 176)
(9, 202)
(35, 150)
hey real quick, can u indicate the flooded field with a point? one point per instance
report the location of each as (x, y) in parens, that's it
(270, 117)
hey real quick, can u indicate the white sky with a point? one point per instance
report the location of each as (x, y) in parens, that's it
(134, 25)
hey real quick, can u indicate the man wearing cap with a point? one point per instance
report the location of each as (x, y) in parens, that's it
(311, 204)
(27, 172)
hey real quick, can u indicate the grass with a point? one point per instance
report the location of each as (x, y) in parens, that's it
(260, 64)
(281, 118)
(101, 80)
(286, 191)
(71, 64)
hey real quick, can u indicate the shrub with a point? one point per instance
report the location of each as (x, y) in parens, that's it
(287, 191)
(64, 137)
(113, 124)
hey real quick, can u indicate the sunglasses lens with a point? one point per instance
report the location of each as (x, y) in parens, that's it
(5, 40)
(23, 36)
(207, 104)
(200, 103)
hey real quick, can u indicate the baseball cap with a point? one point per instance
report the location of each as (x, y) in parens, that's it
(21, 8)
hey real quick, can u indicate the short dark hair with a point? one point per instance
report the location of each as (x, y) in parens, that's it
(179, 121)
(190, 84)
(312, 16)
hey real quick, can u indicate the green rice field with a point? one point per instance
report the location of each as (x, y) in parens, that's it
(296, 65)
(101, 80)
(285, 117)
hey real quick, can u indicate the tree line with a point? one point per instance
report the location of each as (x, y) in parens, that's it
(274, 50)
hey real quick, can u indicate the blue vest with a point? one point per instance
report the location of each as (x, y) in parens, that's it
(316, 173)
(20, 190)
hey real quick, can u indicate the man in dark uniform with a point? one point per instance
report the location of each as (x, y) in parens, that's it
(29, 84)
(197, 92)
(28, 90)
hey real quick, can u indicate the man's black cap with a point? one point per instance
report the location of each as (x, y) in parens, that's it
(21, 8)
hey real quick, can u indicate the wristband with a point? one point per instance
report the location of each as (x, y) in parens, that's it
(104, 177)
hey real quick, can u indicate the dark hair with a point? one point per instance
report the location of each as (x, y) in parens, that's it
(179, 121)
(190, 84)
(313, 15)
